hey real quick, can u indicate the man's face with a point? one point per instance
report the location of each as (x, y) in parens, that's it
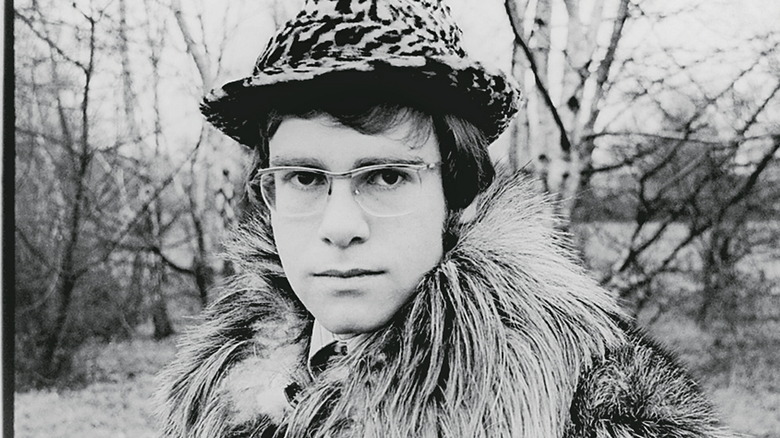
(353, 270)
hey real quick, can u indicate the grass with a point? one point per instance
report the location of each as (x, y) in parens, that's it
(752, 412)
(739, 369)
(105, 409)
(118, 404)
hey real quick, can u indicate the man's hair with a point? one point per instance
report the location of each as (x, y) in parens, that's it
(466, 167)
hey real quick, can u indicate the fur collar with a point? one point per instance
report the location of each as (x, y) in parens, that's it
(492, 343)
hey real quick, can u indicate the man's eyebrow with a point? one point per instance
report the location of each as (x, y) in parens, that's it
(372, 161)
(297, 162)
(316, 163)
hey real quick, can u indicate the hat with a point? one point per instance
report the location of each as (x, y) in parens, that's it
(402, 49)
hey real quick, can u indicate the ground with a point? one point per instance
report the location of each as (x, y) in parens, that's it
(117, 405)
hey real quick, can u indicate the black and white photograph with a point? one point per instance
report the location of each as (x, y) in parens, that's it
(391, 218)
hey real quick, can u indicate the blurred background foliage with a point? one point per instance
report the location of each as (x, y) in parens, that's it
(655, 124)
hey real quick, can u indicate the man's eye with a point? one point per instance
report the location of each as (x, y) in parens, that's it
(388, 177)
(304, 179)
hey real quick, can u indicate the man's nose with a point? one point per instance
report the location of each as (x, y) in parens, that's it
(344, 222)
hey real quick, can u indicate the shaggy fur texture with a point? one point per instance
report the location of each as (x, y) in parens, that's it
(506, 337)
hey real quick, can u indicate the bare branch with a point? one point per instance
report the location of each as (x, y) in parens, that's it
(672, 136)
(144, 209)
(69, 142)
(698, 230)
(198, 56)
(48, 41)
(37, 252)
(170, 263)
(751, 181)
(761, 107)
(602, 73)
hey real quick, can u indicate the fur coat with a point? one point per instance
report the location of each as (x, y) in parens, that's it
(506, 337)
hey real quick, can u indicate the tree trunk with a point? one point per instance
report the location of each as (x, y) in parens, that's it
(519, 153)
(68, 273)
(160, 318)
(544, 137)
(127, 82)
(52, 359)
(204, 278)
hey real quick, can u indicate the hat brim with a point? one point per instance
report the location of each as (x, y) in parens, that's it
(458, 86)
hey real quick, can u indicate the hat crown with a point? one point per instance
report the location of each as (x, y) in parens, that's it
(362, 29)
(405, 51)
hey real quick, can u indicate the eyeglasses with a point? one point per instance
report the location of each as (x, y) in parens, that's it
(383, 190)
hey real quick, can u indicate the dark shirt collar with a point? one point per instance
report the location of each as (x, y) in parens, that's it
(325, 344)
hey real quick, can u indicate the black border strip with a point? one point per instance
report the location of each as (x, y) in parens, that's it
(7, 256)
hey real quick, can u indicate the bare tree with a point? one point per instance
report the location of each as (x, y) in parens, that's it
(87, 204)
(556, 127)
(678, 143)
(210, 190)
(74, 157)
(705, 174)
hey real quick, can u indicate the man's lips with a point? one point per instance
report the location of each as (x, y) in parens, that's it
(347, 273)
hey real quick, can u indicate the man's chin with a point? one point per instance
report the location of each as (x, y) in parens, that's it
(348, 326)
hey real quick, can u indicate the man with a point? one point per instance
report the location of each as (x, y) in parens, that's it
(366, 305)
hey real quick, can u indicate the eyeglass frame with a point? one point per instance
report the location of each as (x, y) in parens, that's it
(348, 174)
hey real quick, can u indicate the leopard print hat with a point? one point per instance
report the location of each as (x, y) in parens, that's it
(403, 50)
